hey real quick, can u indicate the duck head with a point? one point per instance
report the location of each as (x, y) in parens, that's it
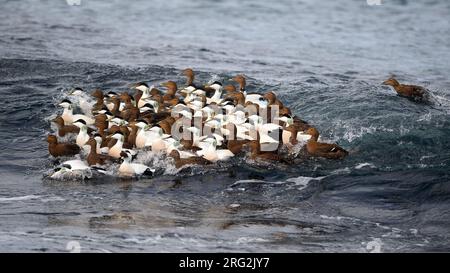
(66, 104)
(112, 94)
(58, 121)
(126, 156)
(98, 138)
(118, 135)
(229, 88)
(171, 87)
(313, 132)
(240, 79)
(147, 107)
(77, 91)
(98, 94)
(92, 142)
(51, 139)
(175, 154)
(189, 73)
(80, 123)
(270, 97)
(217, 86)
(391, 81)
(142, 86)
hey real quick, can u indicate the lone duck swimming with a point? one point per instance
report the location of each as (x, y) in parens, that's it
(414, 92)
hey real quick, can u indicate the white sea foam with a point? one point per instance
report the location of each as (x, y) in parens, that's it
(362, 165)
(19, 198)
(300, 182)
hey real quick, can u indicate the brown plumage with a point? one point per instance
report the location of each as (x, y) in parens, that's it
(237, 97)
(256, 153)
(61, 149)
(180, 162)
(116, 105)
(95, 159)
(130, 112)
(240, 79)
(234, 144)
(229, 89)
(414, 92)
(155, 92)
(272, 99)
(137, 96)
(165, 126)
(299, 124)
(65, 129)
(126, 133)
(189, 73)
(112, 141)
(326, 150)
(293, 137)
(101, 122)
(133, 135)
(171, 102)
(171, 90)
(285, 111)
(252, 108)
(99, 104)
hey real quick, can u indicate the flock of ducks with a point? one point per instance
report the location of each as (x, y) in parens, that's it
(193, 125)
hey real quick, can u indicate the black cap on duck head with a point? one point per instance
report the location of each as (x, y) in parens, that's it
(78, 89)
(141, 120)
(97, 135)
(141, 83)
(112, 93)
(67, 166)
(66, 101)
(108, 113)
(216, 82)
(80, 121)
(149, 105)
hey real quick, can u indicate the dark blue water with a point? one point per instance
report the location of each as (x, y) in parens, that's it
(325, 59)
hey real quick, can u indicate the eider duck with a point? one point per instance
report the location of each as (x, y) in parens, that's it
(94, 158)
(129, 169)
(68, 115)
(240, 79)
(325, 150)
(65, 129)
(61, 149)
(193, 160)
(83, 135)
(414, 92)
(99, 104)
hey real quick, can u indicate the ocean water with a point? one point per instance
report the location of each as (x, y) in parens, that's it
(325, 60)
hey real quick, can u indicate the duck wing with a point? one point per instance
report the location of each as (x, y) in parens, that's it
(71, 149)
